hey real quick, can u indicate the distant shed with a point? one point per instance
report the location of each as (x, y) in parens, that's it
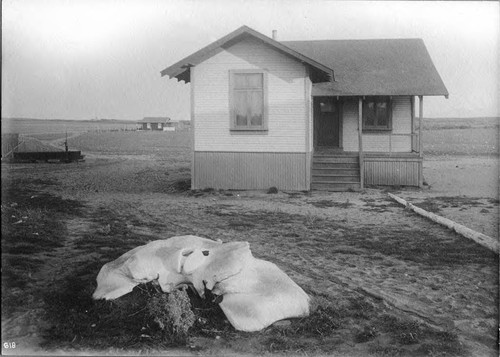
(154, 123)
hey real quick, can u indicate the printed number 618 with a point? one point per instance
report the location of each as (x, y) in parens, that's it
(9, 345)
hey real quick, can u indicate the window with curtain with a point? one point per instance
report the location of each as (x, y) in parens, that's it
(248, 97)
(377, 114)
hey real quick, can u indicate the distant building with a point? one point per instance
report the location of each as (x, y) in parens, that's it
(155, 123)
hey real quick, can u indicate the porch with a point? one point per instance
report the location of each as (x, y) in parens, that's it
(333, 170)
(391, 157)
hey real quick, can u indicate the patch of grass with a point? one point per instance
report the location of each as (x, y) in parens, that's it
(405, 332)
(379, 208)
(435, 204)
(430, 245)
(365, 334)
(17, 272)
(385, 205)
(77, 321)
(329, 204)
(430, 206)
(321, 331)
(280, 343)
(110, 233)
(386, 351)
(322, 321)
(173, 315)
(431, 342)
(20, 194)
(421, 246)
(31, 224)
(180, 185)
(441, 349)
(240, 225)
(295, 194)
(145, 319)
(261, 219)
(392, 189)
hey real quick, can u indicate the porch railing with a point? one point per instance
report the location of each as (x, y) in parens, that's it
(415, 143)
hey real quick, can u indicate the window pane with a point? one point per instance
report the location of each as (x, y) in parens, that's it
(239, 81)
(240, 108)
(370, 119)
(248, 100)
(241, 120)
(382, 117)
(376, 113)
(248, 80)
(254, 80)
(370, 114)
(255, 107)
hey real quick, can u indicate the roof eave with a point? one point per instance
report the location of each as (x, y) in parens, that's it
(180, 67)
(318, 92)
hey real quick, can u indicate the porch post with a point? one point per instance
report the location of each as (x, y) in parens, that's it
(193, 135)
(308, 151)
(360, 142)
(420, 148)
(420, 120)
(413, 137)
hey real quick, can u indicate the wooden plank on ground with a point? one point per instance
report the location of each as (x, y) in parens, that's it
(477, 237)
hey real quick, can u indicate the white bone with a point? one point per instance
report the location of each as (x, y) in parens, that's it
(193, 261)
(256, 293)
(261, 295)
(159, 259)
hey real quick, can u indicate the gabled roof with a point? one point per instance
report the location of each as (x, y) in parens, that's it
(154, 120)
(180, 70)
(362, 67)
(374, 67)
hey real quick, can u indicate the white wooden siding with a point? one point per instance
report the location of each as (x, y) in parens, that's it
(379, 142)
(286, 98)
(350, 125)
(310, 118)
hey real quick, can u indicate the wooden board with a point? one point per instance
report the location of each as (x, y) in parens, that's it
(477, 237)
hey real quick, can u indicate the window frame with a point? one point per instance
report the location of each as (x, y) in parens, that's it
(232, 112)
(377, 128)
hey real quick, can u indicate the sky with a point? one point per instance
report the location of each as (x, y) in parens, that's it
(87, 59)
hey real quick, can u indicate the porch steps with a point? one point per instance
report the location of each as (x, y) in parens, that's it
(336, 172)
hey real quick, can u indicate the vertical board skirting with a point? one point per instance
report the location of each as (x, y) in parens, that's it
(251, 170)
(392, 171)
(308, 168)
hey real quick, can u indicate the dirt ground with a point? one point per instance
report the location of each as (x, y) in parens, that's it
(463, 189)
(334, 245)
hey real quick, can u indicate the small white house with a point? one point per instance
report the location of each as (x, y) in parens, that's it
(301, 115)
(154, 123)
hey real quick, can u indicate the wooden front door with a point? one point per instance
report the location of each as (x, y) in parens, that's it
(326, 122)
